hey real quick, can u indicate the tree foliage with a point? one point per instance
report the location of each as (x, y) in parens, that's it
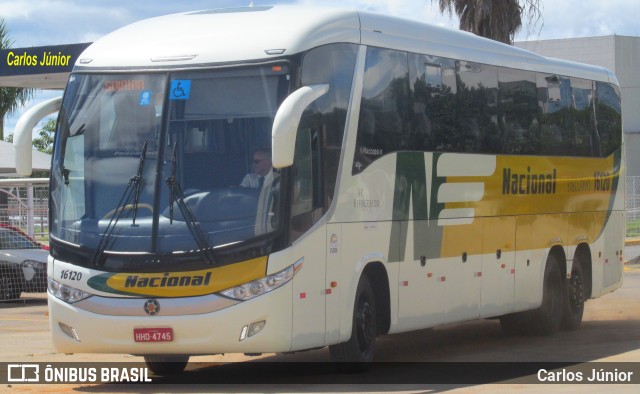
(44, 141)
(10, 98)
(498, 20)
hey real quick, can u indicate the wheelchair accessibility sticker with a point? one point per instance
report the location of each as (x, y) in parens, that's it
(180, 89)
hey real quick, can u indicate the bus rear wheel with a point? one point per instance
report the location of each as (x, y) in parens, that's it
(356, 354)
(574, 306)
(166, 365)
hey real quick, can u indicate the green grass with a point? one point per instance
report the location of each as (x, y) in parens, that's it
(633, 228)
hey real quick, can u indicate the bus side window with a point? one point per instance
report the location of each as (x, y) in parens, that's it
(384, 121)
(608, 117)
(306, 197)
(587, 141)
(334, 65)
(519, 111)
(477, 109)
(302, 198)
(557, 128)
(433, 91)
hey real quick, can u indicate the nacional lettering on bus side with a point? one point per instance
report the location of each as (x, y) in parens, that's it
(529, 182)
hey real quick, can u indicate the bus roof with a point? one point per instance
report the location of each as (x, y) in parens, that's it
(260, 33)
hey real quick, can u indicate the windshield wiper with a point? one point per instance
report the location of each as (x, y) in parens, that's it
(134, 186)
(137, 179)
(177, 196)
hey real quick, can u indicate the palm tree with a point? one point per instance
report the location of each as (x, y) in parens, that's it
(498, 20)
(10, 98)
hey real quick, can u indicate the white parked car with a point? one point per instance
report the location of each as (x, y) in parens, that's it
(23, 264)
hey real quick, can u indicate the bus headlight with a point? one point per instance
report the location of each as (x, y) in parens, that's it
(249, 290)
(65, 292)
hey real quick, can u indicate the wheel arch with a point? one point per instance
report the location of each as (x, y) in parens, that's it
(558, 252)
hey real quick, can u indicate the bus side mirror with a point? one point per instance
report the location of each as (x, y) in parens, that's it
(286, 121)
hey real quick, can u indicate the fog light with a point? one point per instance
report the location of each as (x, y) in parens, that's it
(256, 327)
(243, 333)
(70, 331)
(252, 329)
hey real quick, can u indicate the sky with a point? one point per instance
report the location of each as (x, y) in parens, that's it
(52, 22)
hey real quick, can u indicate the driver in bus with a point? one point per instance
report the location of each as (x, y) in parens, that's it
(267, 184)
(261, 170)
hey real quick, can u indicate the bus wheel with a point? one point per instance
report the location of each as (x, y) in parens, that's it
(546, 319)
(166, 365)
(574, 305)
(356, 354)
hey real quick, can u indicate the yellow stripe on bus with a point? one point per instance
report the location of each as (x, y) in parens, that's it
(188, 283)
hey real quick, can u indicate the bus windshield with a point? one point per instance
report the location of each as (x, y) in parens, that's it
(167, 162)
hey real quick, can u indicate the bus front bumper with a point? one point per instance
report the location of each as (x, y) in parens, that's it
(78, 330)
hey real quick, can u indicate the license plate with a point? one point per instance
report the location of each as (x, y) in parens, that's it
(155, 334)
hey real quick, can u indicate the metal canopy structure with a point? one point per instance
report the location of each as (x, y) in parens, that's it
(40, 161)
(45, 67)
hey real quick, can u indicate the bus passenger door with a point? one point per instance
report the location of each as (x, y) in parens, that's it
(309, 291)
(308, 323)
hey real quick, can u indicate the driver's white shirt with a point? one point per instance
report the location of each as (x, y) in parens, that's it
(252, 179)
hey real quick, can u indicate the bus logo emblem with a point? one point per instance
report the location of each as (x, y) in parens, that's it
(152, 307)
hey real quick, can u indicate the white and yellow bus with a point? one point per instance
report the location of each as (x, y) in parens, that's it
(421, 176)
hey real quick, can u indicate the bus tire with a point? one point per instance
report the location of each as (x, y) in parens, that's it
(166, 365)
(514, 324)
(547, 318)
(356, 354)
(575, 299)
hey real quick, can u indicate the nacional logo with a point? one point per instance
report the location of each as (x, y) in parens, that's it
(529, 183)
(152, 307)
(167, 280)
(152, 285)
